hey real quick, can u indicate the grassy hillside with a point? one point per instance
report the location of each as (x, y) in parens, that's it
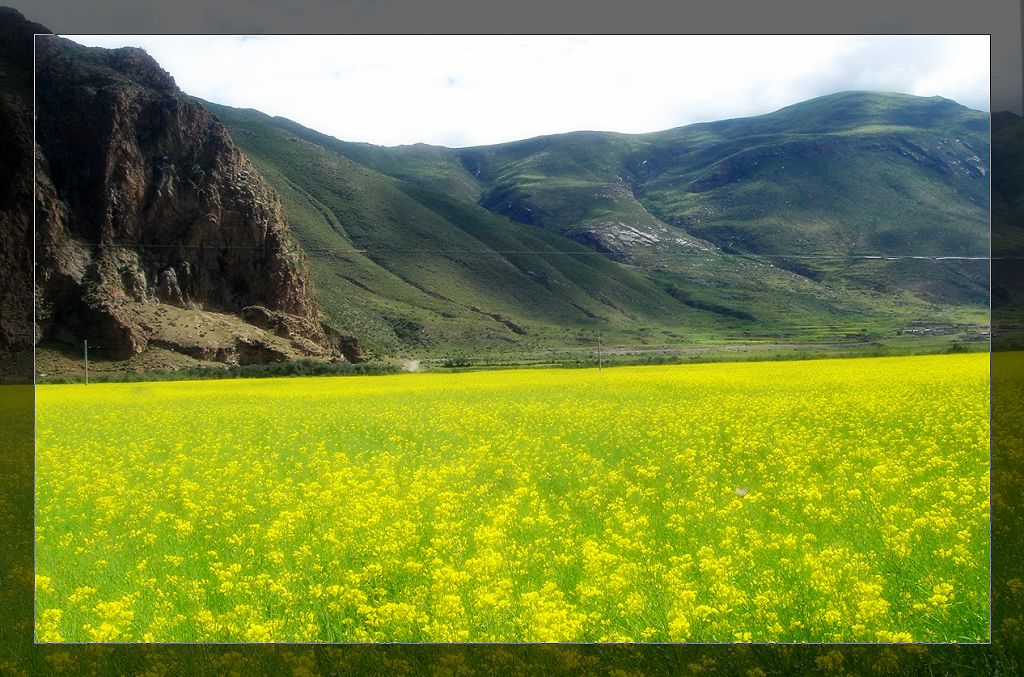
(853, 173)
(1008, 169)
(1008, 226)
(735, 230)
(403, 266)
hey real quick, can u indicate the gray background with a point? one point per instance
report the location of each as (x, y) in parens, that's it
(999, 18)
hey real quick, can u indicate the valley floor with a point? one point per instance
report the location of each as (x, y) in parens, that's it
(63, 363)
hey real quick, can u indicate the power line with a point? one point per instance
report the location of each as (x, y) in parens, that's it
(337, 250)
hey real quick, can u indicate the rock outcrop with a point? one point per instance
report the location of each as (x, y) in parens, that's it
(142, 199)
(16, 180)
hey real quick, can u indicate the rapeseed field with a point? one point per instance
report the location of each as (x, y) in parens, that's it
(829, 500)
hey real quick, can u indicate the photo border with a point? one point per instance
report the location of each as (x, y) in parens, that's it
(999, 19)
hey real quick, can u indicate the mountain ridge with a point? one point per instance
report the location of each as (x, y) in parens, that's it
(833, 96)
(595, 189)
(833, 220)
(465, 171)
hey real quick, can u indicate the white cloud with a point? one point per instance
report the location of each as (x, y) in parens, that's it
(472, 90)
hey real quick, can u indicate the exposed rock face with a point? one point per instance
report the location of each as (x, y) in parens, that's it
(298, 329)
(16, 179)
(142, 198)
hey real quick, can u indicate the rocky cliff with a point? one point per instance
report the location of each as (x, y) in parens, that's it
(147, 211)
(16, 179)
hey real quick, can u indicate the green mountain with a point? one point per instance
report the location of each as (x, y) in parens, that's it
(795, 225)
(1008, 163)
(1008, 227)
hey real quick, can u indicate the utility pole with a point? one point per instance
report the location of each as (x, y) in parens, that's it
(86, 361)
(600, 361)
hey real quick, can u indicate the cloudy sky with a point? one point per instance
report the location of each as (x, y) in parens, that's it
(474, 90)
